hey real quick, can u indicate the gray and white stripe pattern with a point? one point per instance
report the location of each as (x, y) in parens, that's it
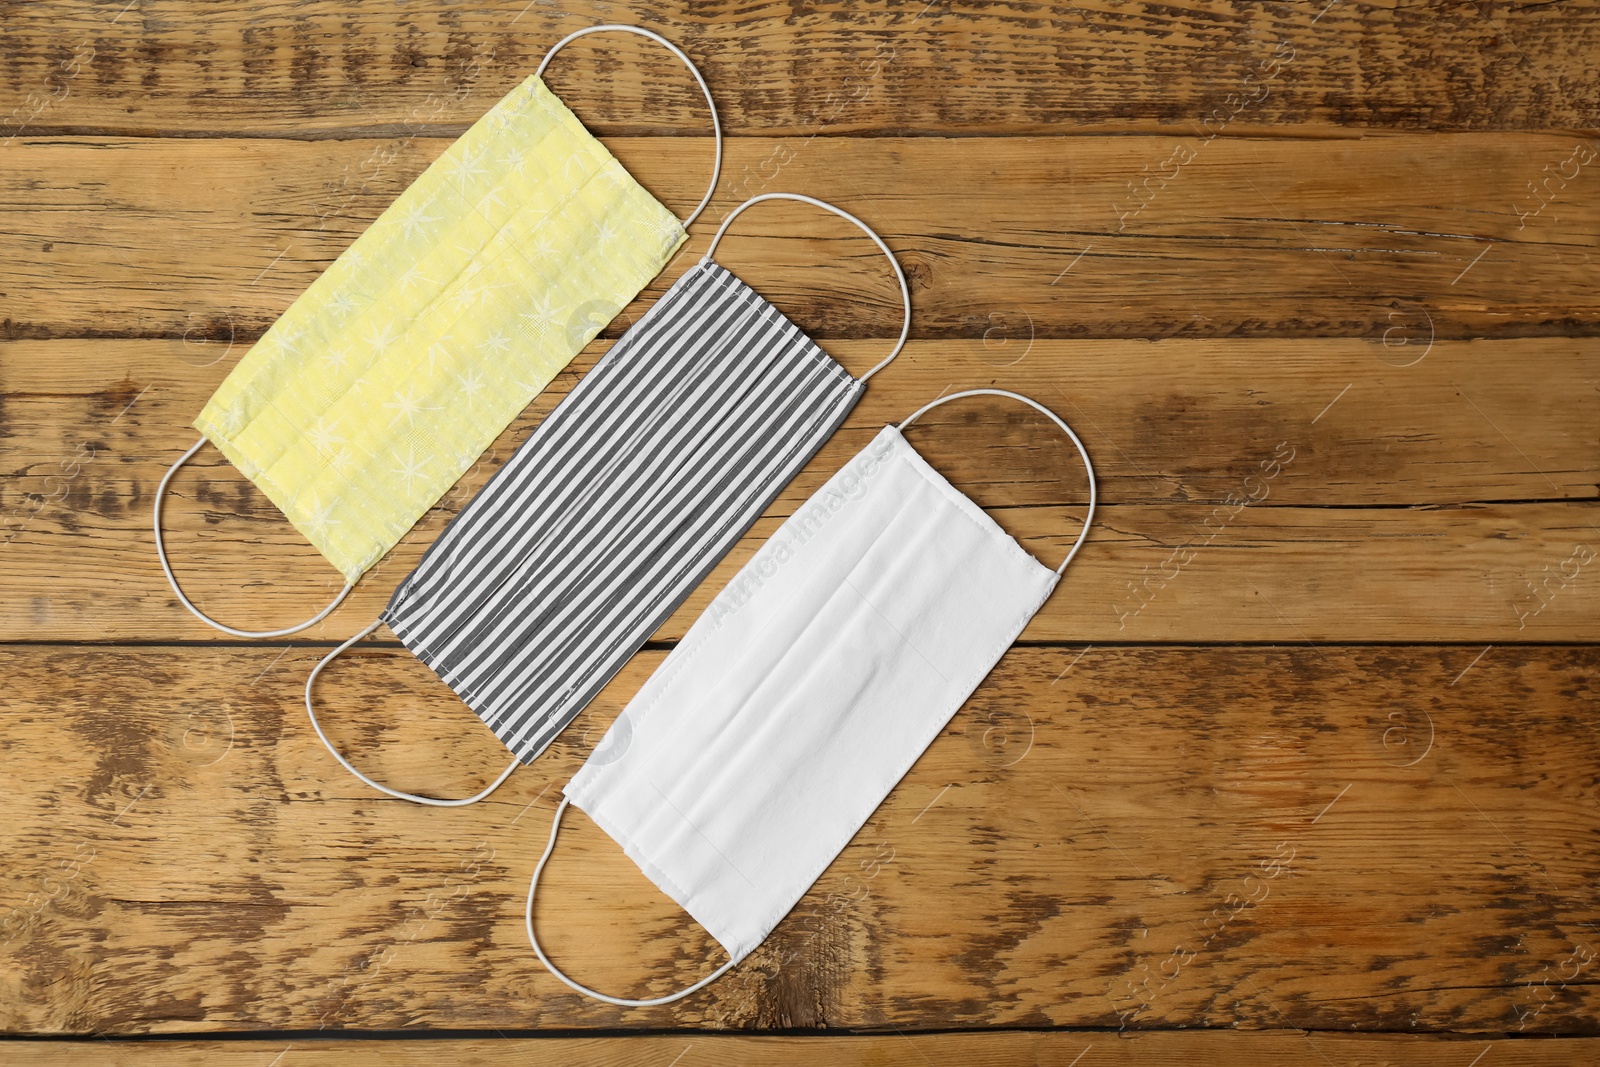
(619, 504)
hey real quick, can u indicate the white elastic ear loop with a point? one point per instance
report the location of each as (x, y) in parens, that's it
(397, 794)
(533, 939)
(905, 290)
(172, 579)
(1053, 417)
(716, 125)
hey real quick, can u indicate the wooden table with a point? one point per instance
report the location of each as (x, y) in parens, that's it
(1301, 764)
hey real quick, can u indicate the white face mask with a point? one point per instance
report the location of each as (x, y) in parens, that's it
(806, 690)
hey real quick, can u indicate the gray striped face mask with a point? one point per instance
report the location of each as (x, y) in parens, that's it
(816, 678)
(618, 504)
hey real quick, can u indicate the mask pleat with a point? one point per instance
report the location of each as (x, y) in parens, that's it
(620, 501)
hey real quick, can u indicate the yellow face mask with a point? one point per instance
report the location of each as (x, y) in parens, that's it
(384, 382)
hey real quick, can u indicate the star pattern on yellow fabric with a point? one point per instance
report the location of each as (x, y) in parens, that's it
(407, 404)
(412, 468)
(323, 435)
(414, 221)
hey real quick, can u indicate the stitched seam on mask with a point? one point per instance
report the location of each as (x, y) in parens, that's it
(269, 485)
(606, 152)
(672, 888)
(445, 286)
(775, 315)
(965, 505)
(601, 811)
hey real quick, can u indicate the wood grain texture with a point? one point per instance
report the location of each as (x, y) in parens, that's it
(1300, 763)
(1408, 503)
(1212, 1049)
(990, 69)
(1399, 239)
(1338, 838)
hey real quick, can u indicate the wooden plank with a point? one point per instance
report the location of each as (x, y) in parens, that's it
(1210, 1049)
(905, 65)
(1169, 421)
(1341, 838)
(1038, 237)
(1419, 461)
